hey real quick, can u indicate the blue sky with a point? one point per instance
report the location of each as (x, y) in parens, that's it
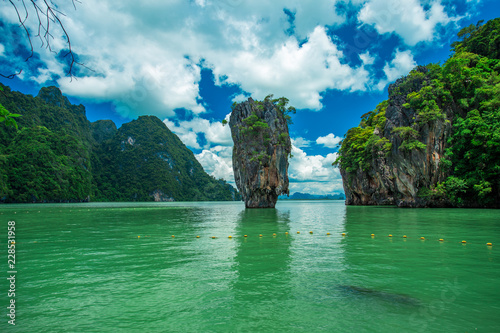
(188, 61)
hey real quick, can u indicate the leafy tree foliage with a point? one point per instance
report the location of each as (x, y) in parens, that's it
(409, 135)
(281, 104)
(7, 117)
(480, 39)
(47, 167)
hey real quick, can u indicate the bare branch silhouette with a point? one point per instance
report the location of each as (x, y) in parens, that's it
(48, 17)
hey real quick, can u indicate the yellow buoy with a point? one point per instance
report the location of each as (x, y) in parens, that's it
(138, 236)
(441, 240)
(463, 242)
(274, 234)
(286, 233)
(404, 236)
(422, 238)
(373, 235)
(173, 236)
(298, 232)
(230, 237)
(343, 234)
(390, 235)
(310, 232)
(245, 236)
(328, 234)
(260, 235)
(197, 236)
(213, 237)
(489, 244)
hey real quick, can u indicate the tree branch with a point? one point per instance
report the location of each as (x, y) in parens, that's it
(21, 21)
(48, 18)
(11, 76)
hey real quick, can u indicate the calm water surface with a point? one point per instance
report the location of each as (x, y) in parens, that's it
(117, 268)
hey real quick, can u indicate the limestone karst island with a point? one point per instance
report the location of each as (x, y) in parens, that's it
(436, 141)
(261, 149)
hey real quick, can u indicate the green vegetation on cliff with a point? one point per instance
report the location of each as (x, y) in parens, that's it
(43, 166)
(57, 155)
(6, 116)
(256, 132)
(362, 143)
(48, 158)
(464, 92)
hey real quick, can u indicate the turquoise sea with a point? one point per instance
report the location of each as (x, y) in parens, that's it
(139, 267)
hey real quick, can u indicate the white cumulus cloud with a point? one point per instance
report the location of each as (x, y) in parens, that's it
(217, 162)
(214, 132)
(330, 140)
(402, 64)
(407, 18)
(300, 142)
(301, 72)
(146, 57)
(313, 173)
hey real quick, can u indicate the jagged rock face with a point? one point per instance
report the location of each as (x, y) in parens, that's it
(260, 153)
(395, 178)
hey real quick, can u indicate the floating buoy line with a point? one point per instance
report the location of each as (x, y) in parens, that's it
(274, 235)
(343, 234)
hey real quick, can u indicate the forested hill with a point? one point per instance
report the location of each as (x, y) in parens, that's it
(436, 140)
(57, 155)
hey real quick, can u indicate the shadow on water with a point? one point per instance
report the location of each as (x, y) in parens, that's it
(379, 296)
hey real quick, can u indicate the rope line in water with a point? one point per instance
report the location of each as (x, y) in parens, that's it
(441, 240)
(274, 235)
(405, 237)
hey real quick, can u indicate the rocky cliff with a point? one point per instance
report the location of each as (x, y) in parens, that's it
(261, 149)
(435, 142)
(403, 156)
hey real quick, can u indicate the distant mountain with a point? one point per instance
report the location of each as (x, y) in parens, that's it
(307, 196)
(59, 156)
(144, 160)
